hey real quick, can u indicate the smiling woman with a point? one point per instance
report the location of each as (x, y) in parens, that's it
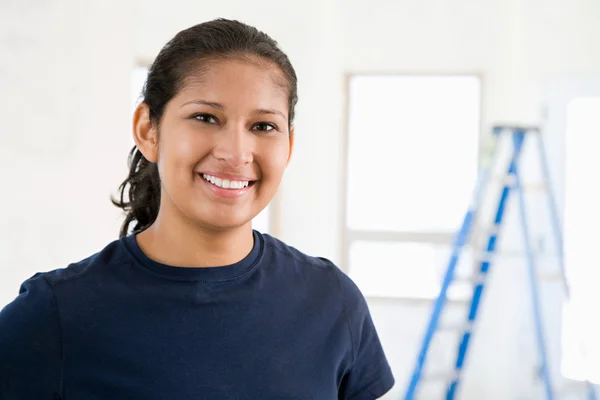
(229, 120)
(264, 222)
(190, 301)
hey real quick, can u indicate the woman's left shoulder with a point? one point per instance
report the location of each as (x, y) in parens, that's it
(278, 250)
(319, 268)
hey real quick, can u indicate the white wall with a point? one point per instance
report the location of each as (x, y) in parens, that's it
(64, 123)
(66, 94)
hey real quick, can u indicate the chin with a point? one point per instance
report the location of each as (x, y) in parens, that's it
(223, 224)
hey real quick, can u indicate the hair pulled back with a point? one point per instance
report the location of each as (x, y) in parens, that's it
(184, 55)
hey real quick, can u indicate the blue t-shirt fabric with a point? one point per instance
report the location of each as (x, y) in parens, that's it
(279, 324)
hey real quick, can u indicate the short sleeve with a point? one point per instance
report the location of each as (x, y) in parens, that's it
(370, 375)
(30, 344)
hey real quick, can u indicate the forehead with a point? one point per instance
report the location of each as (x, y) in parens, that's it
(238, 82)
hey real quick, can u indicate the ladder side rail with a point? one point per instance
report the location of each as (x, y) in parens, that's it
(460, 239)
(552, 204)
(478, 289)
(532, 274)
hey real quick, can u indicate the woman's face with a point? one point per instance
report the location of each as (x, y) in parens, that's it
(223, 144)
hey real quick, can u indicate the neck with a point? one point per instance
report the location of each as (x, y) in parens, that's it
(176, 242)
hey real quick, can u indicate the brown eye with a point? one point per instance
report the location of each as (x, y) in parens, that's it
(206, 118)
(263, 126)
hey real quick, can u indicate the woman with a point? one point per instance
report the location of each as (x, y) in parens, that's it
(190, 302)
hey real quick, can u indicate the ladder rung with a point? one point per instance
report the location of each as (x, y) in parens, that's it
(459, 302)
(550, 276)
(441, 376)
(456, 327)
(505, 180)
(492, 230)
(534, 186)
(510, 180)
(473, 280)
(485, 256)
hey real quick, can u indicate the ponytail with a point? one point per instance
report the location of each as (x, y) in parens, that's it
(143, 191)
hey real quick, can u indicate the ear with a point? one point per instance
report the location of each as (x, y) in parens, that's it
(291, 145)
(145, 134)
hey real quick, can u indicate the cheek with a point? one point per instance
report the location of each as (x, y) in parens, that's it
(274, 158)
(184, 147)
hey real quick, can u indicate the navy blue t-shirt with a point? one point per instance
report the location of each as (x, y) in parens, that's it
(277, 325)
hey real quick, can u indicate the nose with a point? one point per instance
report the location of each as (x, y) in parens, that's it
(234, 146)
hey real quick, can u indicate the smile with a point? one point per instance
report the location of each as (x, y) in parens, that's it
(225, 183)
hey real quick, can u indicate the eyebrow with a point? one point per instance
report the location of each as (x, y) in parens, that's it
(205, 103)
(219, 106)
(263, 111)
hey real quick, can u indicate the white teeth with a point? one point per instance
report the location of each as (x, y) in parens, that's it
(225, 183)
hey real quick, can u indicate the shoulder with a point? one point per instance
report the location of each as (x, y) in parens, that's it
(31, 341)
(37, 294)
(112, 253)
(31, 326)
(38, 297)
(369, 375)
(281, 253)
(324, 270)
(37, 300)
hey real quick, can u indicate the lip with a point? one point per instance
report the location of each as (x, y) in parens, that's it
(226, 193)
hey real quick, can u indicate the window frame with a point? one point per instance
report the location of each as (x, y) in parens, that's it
(349, 236)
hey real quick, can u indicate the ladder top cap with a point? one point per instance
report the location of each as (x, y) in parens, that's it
(522, 128)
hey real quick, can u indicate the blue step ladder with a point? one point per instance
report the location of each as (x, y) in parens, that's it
(517, 135)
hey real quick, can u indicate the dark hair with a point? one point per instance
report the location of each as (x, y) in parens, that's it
(179, 58)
